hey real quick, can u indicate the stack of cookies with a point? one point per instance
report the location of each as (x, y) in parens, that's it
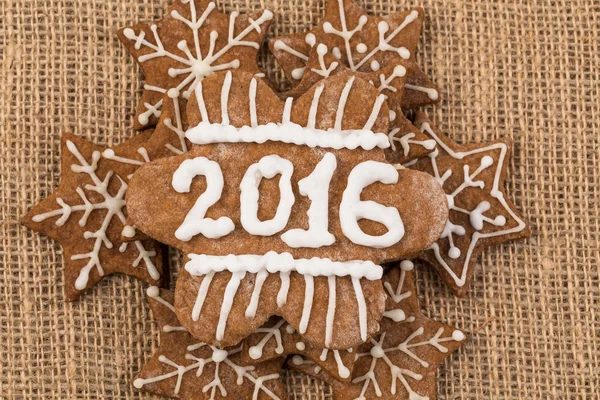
(298, 213)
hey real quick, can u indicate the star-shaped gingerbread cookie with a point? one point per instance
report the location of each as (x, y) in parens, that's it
(86, 215)
(193, 41)
(184, 368)
(401, 362)
(481, 215)
(363, 43)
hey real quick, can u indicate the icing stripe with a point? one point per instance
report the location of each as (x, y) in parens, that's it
(228, 297)
(330, 312)
(362, 308)
(309, 293)
(272, 262)
(289, 132)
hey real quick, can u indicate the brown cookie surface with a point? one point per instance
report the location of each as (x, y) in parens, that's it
(86, 215)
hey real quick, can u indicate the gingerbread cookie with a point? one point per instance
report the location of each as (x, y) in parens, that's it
(363, 43)
(192, 41)
(481, 214)
(185, 368)
(401, 362)
(406, 142)
(86, 215)
(327, 148)
(278, 338)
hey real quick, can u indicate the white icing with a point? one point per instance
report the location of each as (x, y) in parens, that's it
(316, 187)
(298, 73)
(272, 262)
(353, 209)
(309, 294)
(255, 352)
(228, 296)
(476, 216)
(362, 308)
(267, 167)
(300, 346)
(195, 222)
(407, 139)
(260, 280)
(431, 92)
(330, 311)
(279, 45)
(113, 207)
(195, 65)
(128, 231)
(324, 71)
(288, 132)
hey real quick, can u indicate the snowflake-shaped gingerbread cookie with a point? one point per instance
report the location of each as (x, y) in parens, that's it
(481, 213)
(363, 43)
(193, 41)
(185, 368)
(401, 362)
(86, 214)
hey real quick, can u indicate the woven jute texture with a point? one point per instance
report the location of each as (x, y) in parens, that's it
(524, 69)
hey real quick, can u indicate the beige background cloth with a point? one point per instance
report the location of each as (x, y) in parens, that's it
(525, 69)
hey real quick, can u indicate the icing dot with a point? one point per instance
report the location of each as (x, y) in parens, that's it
(138, 383)
(458, 336)
(143, 119)
(279, 45)
(153, 291)
(173, 93)
(377, 352)
(407, 265)
(129, 33)
(486, 161)
(290, 329)
(298, 73)
(128, 231)
(392, 115)
(310, 39)
(500, 220)
(255, 352)
(219, 355)
(337, 53)
(361, 48)
(375, 65)
(454, 252)
(300, 346)
(297, 360)
(108, 153)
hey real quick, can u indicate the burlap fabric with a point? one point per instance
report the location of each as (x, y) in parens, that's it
(525, 69)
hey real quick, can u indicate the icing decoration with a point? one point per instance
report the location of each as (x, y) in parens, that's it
(182, 367)
(267, 167)
(93, 188)
(206, 133)
(353, 209)
(361, 42)
(188, 45)
(316, 188)
(233, 269)
(473, 223)
(277, 338)
(272, 262)
(401, 362)
(195, 222)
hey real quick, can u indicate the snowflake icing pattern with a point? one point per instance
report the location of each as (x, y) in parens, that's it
(191, 62)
